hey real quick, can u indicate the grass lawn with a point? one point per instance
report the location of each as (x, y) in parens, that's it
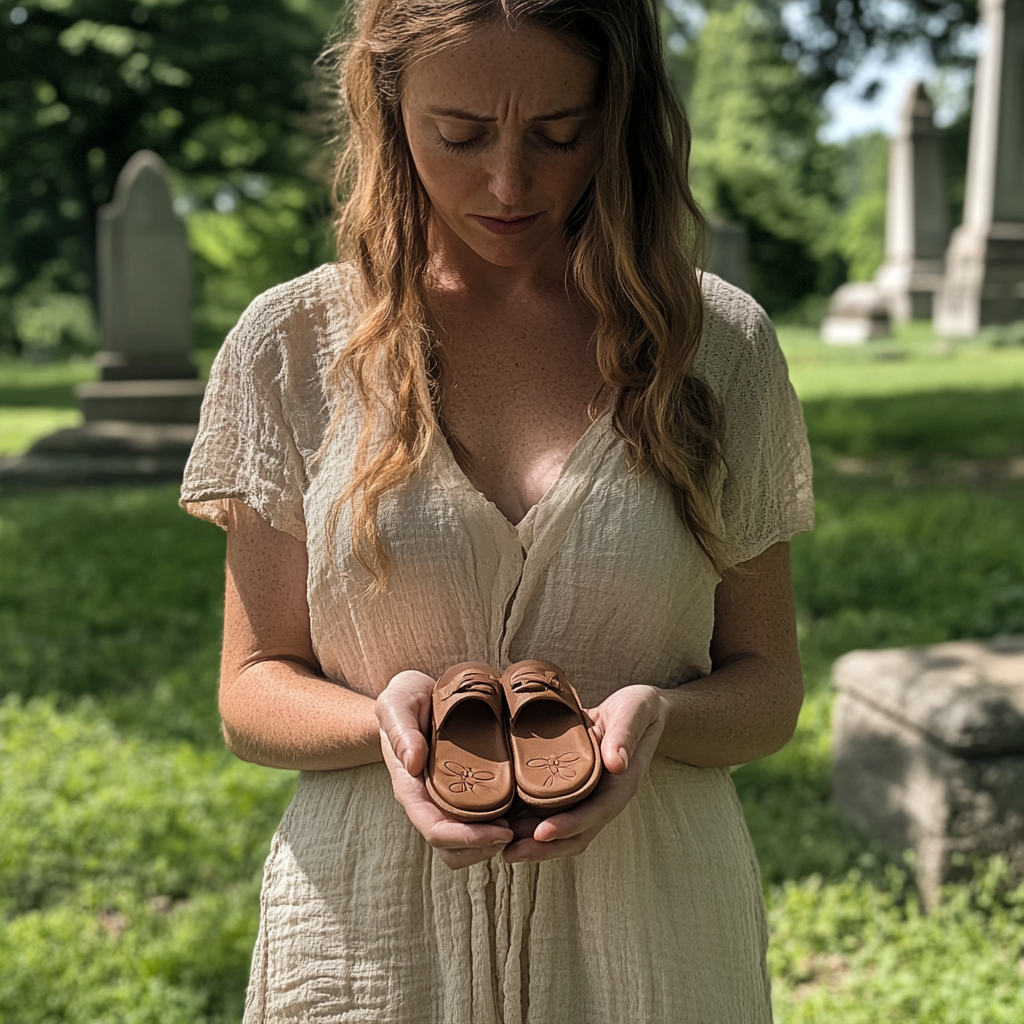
(134, 842)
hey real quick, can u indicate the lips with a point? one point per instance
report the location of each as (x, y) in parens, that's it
(507, 225)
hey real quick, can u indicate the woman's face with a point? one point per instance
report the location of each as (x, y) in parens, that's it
(503, 132)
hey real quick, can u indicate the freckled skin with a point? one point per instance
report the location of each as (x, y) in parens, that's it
(519, 368)
(519, 372)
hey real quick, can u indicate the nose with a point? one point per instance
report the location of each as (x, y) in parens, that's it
(510, 176)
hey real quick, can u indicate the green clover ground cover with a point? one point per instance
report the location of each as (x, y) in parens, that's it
(133, 842)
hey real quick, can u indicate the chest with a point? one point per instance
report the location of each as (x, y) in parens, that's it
(516, 389)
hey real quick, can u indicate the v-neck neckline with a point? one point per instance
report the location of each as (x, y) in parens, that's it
(459, 476)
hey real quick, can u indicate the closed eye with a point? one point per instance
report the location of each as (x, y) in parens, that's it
(561, 147)
(458, 147)
(553, 145)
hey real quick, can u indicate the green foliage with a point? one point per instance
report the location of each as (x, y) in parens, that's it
(129, 871)
(863, 186)
(95, 816)
(116, 594)
(132, 841)
(756, 158)
(860, 950)
(218, 89)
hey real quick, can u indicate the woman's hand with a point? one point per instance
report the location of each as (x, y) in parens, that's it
(628, 725)
(403, 711)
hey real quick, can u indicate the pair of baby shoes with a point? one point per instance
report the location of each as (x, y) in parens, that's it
(493, 737)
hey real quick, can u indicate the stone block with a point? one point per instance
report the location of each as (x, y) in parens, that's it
(144, 401)
(101, 452)
(928, 748)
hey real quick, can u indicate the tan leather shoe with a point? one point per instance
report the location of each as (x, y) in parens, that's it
(557, 757)
(469, 767)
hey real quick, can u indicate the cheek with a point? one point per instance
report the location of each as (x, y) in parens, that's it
(444, 178)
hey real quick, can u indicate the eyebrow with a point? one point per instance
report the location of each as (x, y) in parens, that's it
(466, 115)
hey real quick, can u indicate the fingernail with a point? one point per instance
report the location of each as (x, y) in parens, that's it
(623, 753)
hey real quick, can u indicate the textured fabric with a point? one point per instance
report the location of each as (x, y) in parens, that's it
(661, 919)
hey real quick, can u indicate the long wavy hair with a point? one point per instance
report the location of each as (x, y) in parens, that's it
(634, 243)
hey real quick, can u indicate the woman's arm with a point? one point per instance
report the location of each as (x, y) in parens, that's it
(276, 708)
(745, 709)
(748, 707)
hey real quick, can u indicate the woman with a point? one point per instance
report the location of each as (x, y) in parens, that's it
(511, 427)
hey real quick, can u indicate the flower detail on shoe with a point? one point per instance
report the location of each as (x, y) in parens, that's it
(468, 778)
(555, 766)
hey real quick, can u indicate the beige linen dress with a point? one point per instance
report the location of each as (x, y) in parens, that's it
(661, 920)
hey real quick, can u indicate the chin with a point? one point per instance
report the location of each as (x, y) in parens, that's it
(509, 252)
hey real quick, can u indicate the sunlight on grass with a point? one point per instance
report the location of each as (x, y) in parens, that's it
(914, 361)
(20, 428)
(130, 872)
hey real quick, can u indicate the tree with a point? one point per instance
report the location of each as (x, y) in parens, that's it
(756, 158)
(219, 89)
(829, 39)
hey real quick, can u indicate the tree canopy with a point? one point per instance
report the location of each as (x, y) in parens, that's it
(219, 89)
(223, 90)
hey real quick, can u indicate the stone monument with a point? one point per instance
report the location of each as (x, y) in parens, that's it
(727, 252)
(140, 418)
(928, 748)
(917, 214)
(984, 282)
(857, 312)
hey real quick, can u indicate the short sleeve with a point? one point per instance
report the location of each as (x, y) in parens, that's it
(245, 448)
(766, 494)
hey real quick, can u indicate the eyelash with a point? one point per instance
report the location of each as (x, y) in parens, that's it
(557, 147)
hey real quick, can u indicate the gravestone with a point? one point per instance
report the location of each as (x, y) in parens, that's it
(984, 281)
(928, 748)
(727, 252)
(857, 313)
(140, 418)
(917, 215)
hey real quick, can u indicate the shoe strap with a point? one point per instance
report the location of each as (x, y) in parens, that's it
(533, 681)
(469, 684)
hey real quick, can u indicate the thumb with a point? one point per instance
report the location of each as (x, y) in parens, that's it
(400, 729)
(620, 740)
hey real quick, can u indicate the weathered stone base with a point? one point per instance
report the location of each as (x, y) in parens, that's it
(928, 747)
(101, 452)
(909, 287)
(141, 401)
(984, 281)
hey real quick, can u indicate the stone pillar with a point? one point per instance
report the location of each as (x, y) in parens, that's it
(917, 215)
(857, 313)
(984, 282)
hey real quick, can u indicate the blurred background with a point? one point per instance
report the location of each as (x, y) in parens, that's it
(789, 103)
(133, 842)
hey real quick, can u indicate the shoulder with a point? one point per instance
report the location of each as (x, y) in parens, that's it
(305, 316)
(738, 340)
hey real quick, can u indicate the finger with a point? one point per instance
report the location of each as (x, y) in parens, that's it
(399, 718)
(534, 852)
(440, 830)
(607, 801)
(603, 805)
